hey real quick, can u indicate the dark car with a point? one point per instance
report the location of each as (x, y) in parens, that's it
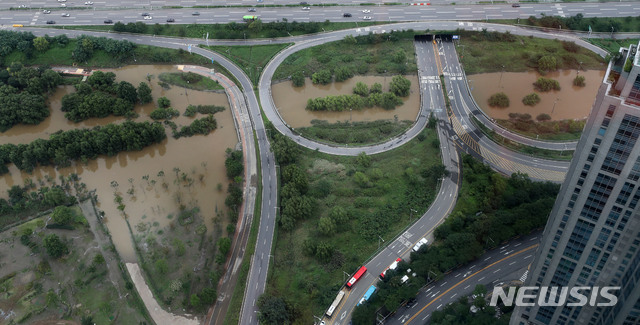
(515, 5)
(50, 22)
(346, 14)
(108, 21)
(170, 20)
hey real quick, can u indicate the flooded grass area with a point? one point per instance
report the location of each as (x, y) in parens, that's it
(201, 158)
(291, 102)
(564, 106)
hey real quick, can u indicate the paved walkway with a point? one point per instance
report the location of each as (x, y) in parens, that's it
(159, 316)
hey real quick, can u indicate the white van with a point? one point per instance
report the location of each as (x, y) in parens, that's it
(419, 244)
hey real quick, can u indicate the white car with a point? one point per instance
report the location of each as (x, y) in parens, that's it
(148, 17)
(366, 17)
(366, 11)
(306, 8)
(419, 244)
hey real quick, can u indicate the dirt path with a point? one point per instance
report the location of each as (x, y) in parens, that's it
(160, 317)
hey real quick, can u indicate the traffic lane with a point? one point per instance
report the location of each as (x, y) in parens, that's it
(404, 13)
(458, 284)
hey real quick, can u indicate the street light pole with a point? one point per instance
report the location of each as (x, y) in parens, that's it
(554, 105)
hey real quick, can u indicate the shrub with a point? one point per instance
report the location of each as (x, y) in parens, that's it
(531, 99)
(499, 100)
(547, 63)
(546, 84)
(543, 117)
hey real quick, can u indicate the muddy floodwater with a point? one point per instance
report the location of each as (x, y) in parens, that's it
(571, 102)
(291, 101)
(192, 167)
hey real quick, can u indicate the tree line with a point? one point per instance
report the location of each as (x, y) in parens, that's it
(86, 45)
(491, 209)
(22, 94)
(63, 147)
(24, 201)
(101, 96)
(364, 97)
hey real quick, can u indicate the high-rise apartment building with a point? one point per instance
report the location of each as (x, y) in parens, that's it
(592, 237)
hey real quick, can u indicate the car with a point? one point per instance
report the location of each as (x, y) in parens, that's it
(419, 244)
(195, 13)
(366, 17)
(46, 12)
(148, 17)
(515, 5)
(88, 3)
(252, 10)
(306, 8)
(145, 14)
(393, 266)
(108, 21)
(50, 22)
(170, 20)
(346, 14)
(65, 15)
(366, 11)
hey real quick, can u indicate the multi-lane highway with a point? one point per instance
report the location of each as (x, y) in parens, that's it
(471, 12)
(507, 263)
(432, 100)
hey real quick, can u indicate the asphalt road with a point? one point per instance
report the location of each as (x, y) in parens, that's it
(378, 13)
(504, 264)
(432, 99)
(473, 140)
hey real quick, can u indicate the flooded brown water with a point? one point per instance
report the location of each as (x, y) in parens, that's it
(291, 101)
(572, 102)
(200, 158)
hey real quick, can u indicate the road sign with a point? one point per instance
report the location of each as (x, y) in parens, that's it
(456, 36)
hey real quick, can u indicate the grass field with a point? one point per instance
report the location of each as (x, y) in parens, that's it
(362, 58)
(189, 80)
(143, 54)
(612, 45)
(356, 133)
(251, 58)
(488, 52)
(237, 30)
(381, 207)
(550, 130)
(518, 147)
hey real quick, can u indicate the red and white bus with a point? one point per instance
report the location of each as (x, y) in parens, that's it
(393, 266)
(356, 277)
